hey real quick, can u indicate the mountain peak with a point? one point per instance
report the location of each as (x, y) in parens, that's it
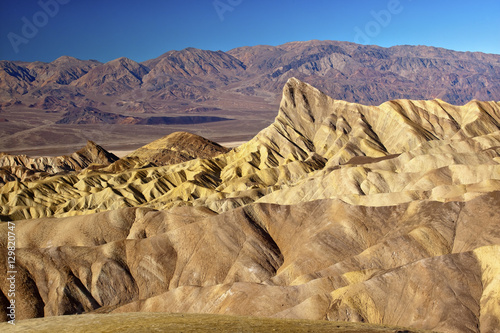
(303, 107)
(114, 77)
(122, 60)
(177, 147)
(94, 153)
(65, 58)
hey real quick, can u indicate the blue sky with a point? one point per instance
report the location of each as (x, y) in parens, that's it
(141, 30)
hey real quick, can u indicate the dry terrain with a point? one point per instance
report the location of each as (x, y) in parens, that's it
(54, 108)
(337, 211)
(190, 323)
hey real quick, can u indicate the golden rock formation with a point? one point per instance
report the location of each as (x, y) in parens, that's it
(338, 211)
(424, 264)
(317, 148)
(24, 168)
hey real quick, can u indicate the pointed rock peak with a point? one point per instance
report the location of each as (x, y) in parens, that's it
(438, 101)
(96, 153)
(294, 83)
(130, 65)
(303, 107)
(122, 61)
(296, 89)
(91, 145)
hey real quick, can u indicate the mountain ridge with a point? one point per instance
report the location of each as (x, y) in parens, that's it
(21, 168)
(305, 58)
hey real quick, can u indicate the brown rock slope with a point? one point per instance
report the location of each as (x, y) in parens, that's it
(19, 77)
(424, 264)
(113, 77)
(371, 74)
(337, 211)
(176, 148)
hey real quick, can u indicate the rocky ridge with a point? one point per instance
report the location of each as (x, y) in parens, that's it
(113, 77)
(317, 148)
(174, 148)
(17, 78)
(25, 168)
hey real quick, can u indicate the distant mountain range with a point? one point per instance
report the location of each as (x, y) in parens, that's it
(356, 73)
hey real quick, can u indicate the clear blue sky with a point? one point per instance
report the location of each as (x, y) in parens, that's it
(141, 30)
